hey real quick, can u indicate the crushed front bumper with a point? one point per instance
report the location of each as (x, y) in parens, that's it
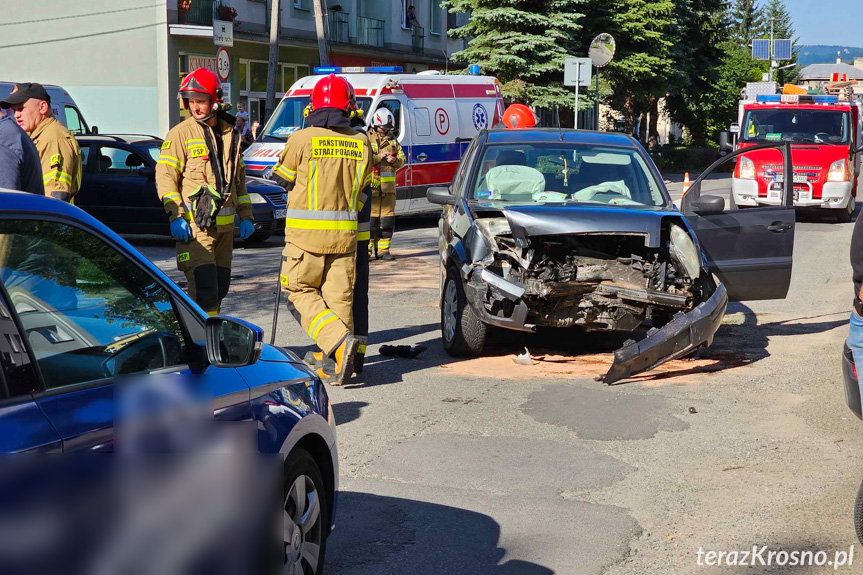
(683, 334)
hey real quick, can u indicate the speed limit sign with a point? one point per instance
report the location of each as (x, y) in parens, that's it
(223, 64)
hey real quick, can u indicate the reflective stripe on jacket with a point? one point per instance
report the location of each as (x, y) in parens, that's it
(383, 144)
(60, 157)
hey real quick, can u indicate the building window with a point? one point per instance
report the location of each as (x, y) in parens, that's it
(409, 15)
(302, 4)
(434, 18)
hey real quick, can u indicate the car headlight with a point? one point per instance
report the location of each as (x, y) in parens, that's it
(268, 171)
(257, 198)
(746, 168)
(838, 171)
(683, 251)
(491, 227)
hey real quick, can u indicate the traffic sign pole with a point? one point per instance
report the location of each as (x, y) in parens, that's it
(577, 75)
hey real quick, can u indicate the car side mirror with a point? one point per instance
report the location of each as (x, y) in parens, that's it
(233, 342)
(440, 195)
(708, 205)
(725, 144)
(94, 130)
(734, 128)
(146, 171)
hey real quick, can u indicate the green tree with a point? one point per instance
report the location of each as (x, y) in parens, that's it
(747, 22)
(523, 43)
(642, 68)
(783, 27)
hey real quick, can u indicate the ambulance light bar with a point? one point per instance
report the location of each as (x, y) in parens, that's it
(358, 70)
(795, 99)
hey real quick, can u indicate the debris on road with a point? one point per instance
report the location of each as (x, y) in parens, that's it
(693, 410)
(523, 358)
(406, 351)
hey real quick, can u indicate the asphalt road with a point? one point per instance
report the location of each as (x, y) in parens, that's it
(487, 467)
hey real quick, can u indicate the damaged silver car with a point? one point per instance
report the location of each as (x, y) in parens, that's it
(563, 228)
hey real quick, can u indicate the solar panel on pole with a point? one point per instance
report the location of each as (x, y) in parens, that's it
(761, 49)
(782, 49)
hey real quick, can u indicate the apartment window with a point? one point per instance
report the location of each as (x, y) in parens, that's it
(434, 18)
(411, 19)
(302, 4)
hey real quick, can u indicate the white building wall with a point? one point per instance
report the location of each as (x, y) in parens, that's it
(107, 54)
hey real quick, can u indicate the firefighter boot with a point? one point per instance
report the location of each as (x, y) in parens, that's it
(317, 360)
(343, 368)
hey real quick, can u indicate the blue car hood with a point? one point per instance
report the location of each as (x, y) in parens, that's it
(548, 220)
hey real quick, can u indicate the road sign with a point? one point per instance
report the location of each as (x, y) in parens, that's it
(572, 75)
(223, 64)
(223, 33)
(761, 49)
(226, 92)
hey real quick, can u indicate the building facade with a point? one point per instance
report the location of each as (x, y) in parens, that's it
(123, 60)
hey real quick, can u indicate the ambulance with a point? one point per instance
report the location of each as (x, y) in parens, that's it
(436, 115)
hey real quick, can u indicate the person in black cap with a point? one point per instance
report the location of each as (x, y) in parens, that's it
(19, 160)
(58, 151)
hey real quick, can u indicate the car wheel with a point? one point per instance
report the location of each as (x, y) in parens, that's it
(305, 517)
(844, 216)
(858, 514)
(463, 332)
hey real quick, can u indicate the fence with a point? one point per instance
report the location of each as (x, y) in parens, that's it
(370, 32)
(200, 13)
(340, 27)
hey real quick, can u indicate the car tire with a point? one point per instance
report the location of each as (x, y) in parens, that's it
(843, 216)
(462, 331)
(858, 514)
(304, 484)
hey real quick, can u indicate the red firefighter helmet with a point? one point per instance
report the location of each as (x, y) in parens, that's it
(199, 85)
(332, 92)
(519, 116)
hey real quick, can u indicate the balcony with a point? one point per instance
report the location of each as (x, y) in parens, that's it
(200, 13)
(370, 32)
(418, 39)
(339, 27)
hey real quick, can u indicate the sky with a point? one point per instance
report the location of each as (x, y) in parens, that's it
(827, 22)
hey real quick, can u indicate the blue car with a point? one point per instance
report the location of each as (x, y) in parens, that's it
(80, 307)
(118, 188)
(548, 228)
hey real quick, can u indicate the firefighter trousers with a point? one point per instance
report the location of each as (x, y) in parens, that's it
(206, 261)
(321, 293)
(383, 220)
(361, 302)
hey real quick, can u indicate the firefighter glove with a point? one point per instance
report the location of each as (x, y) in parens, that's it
(247, 228)
(206, 202)
(180, 230)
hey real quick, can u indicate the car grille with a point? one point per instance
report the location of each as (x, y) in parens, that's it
(279, 199)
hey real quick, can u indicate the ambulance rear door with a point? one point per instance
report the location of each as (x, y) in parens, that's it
(434, 153)
(480, 106)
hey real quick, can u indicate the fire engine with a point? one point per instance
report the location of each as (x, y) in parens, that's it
(825, 131)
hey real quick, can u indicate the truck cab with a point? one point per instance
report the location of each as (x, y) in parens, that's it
(436, 117)
(825, 134)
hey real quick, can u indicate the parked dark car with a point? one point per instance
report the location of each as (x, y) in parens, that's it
(118, 188)
(564, 228)
(80, 307)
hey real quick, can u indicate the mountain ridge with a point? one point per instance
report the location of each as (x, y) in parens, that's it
(826, 54)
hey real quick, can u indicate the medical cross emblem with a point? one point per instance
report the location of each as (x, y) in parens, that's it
(480, 117)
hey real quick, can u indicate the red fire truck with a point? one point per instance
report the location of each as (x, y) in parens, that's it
(825, 134)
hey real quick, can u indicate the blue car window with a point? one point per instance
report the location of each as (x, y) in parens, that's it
(88, 313)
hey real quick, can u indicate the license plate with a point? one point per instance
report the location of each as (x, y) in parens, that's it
(280, 214)
(798, 178)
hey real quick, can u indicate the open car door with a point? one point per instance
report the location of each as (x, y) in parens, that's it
(750, 250)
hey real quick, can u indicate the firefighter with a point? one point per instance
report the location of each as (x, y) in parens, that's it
(325, 166)
(201, 180)
(58, 149)
(519, 116)
(388, 158)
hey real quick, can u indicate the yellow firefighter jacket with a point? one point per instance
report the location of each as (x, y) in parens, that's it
(329, 168)
(185, 164)
(385, 173)
(61, 159)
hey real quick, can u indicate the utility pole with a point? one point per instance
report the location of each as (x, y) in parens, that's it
(273, 65)
(772, 53)
(322, 33)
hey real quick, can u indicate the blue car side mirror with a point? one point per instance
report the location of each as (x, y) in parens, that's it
(233, 342)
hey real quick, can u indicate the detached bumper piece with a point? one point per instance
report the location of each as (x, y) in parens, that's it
(477, 289)
(683, 334)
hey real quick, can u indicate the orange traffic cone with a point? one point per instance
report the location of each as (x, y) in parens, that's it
(685, 182)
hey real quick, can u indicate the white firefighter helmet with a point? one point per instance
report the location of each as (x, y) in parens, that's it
(383, 118)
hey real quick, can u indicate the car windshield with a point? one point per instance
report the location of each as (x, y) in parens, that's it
(561, 172)
(289, 117)
(796, 125)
